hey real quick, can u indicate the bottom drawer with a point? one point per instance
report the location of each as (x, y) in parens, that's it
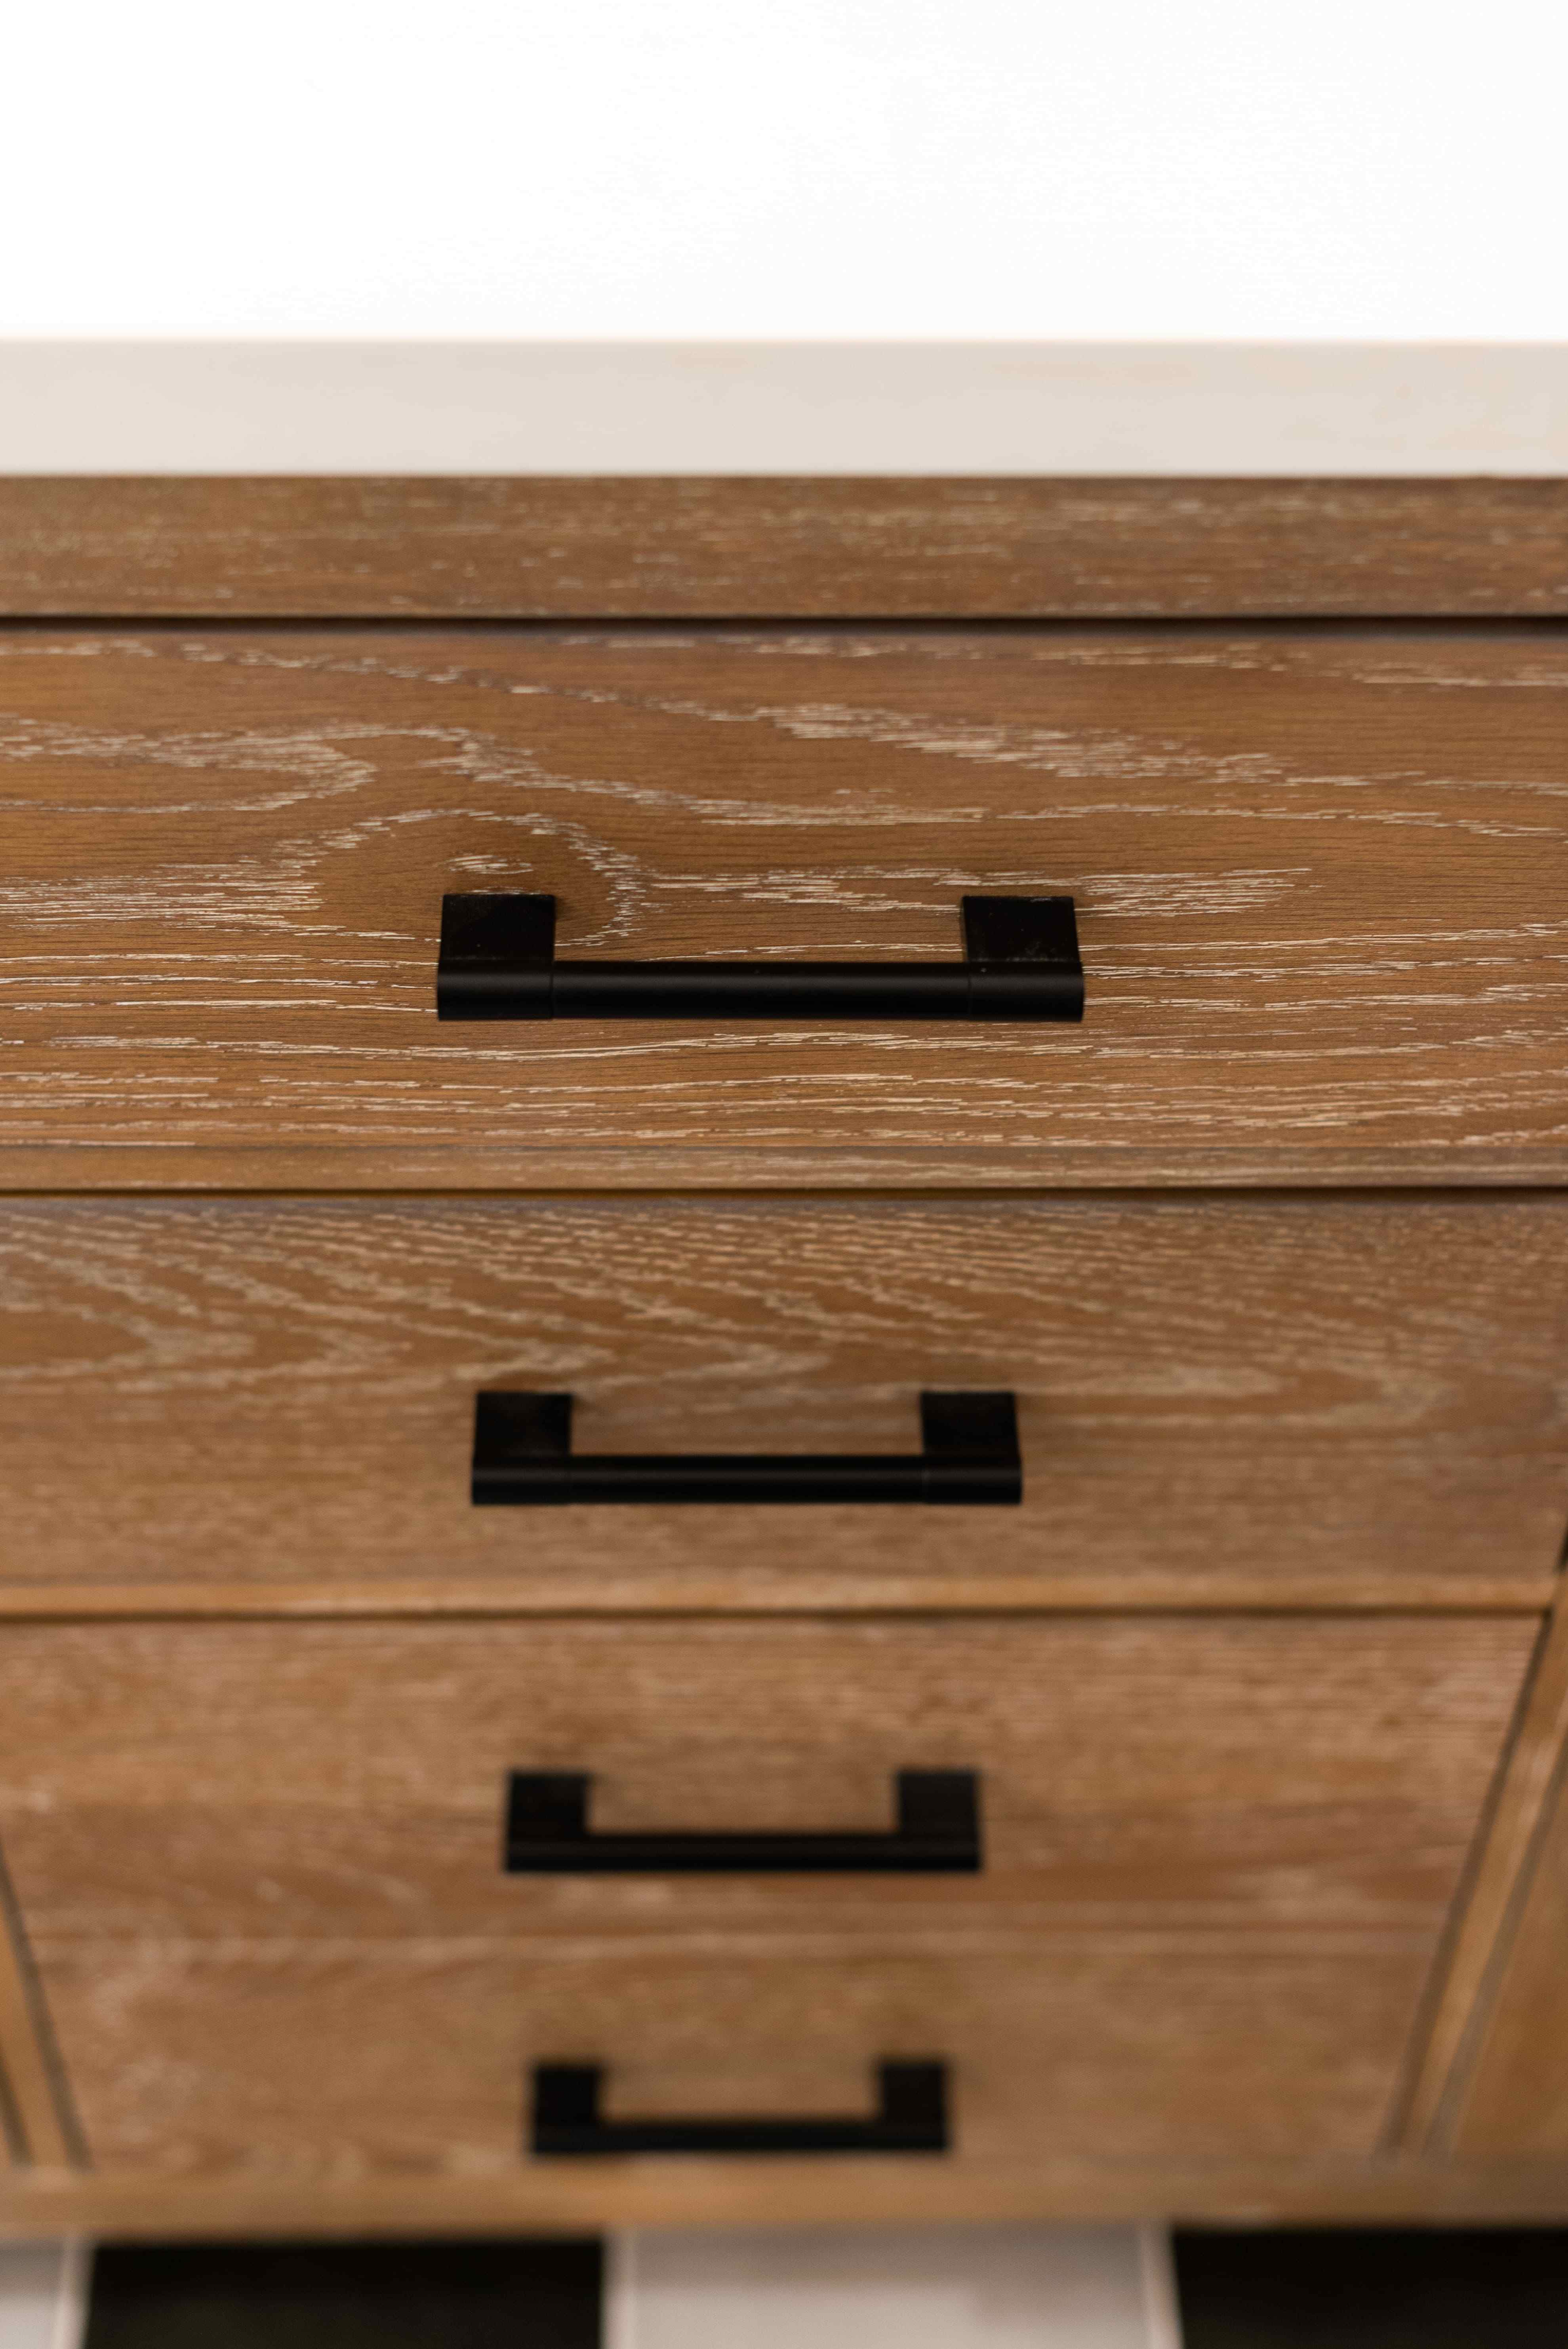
(337, 2060)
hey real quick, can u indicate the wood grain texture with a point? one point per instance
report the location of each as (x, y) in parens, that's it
(1510, 2099)
(43, 2205)
(1487, 1916)
(1241, 1776)
(543, 548)
(36, 2125)
(1243, 1400)
(1318, 874)
(348, 2059)
(566, 2198)
(260, 1866)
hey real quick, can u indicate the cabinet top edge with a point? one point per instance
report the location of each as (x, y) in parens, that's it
(607, 546)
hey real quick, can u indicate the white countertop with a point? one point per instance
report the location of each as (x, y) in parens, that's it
(703, 407)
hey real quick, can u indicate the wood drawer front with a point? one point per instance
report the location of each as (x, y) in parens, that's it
(1248, 1776)
(1317, 874)
(1296, 1400)
(275, 2057)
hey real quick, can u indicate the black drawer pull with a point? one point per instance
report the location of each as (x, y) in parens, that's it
(523, 1458)
(911, 2118)
(498, 962)
(547, 1834)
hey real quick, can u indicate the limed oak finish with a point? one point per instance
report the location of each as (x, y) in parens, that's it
(1316, 874)
(341, 2060)
(37, 2121)
(726, 548)
(1219, 1855)
(1266, 1682)
(1237, 1775)
(1508, 2093)
(225, 1403)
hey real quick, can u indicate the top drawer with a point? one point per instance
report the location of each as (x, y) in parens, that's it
(1317, 875)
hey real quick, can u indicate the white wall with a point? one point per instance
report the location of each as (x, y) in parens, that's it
(997, 169)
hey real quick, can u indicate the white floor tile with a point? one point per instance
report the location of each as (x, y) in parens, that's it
(43, 2295)
(971, 2288)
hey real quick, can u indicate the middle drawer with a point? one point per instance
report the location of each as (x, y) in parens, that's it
(1293, 1400)
(341, 1778)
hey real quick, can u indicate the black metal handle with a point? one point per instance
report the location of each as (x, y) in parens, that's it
(911, 2118)
(523, 1458)
(498, 962)
(547, 1834)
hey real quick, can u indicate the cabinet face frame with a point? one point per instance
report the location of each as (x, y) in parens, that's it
(1492, 2087)
(39, 2125)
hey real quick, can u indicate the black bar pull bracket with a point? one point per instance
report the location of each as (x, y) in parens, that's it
(547, 1834)
(911, 2117)
(498, 962)
(522, 1458)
